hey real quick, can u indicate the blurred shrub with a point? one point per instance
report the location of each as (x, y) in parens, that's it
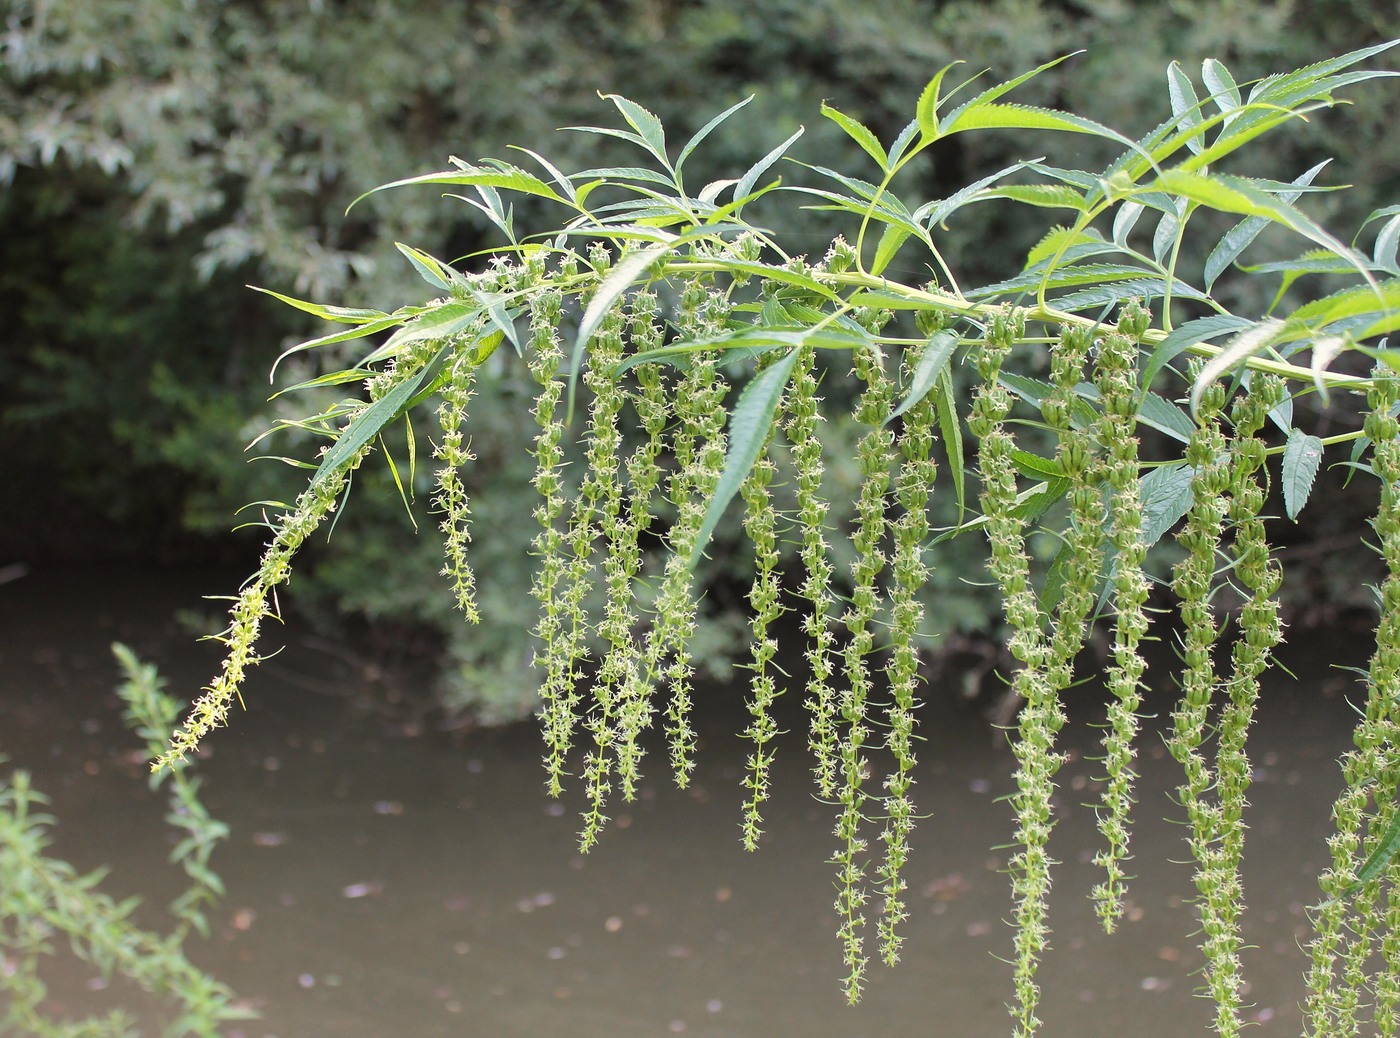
(157, 156)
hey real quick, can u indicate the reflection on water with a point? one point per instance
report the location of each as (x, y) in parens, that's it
(384, 882)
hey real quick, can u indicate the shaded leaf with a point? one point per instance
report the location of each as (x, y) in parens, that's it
(1165, 493)
(750, 425)
(932, 364)
(1302, 456)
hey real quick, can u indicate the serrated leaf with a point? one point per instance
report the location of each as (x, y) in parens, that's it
(1237, 195)
(745, 186)
(1223, 91)
(1125, 220)
(1185, 106)
(1028, 117)
(1379, 858)
(498, 176)
(1036, 467)
(1242, 235)
(1246, 344)
(933, 214)
(1166, 496)
(930, 99)
(337, 314)
(859, 133)
(1203, 329)
(651, 133)
(1302, 456)
(932, 364)
(429, 269)
(367, 425)
(950, 427)
(621, 277)
(358, 332)
(440, 322)
(750, 425)
(1164, 416)
(890, 240)
(1045, 196)
(704, 131)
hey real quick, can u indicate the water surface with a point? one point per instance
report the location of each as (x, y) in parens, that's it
(388, 878)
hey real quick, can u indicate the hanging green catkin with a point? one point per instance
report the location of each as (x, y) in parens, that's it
(859, 619)
(1344, 925)
(455, 454)
(597, 511)
(620, 551)
(698, 447)
(761, 525)
(1009, 564)
(804, 418)
(1258, 577)
(650, 402)
(1079, 564)
(913, 489)
(558, 692)
(289, 532)
(1116, 377)
(1208, 453)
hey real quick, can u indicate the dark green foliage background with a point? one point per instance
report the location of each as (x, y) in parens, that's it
(156, 158)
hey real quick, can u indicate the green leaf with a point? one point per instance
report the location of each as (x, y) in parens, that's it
(950, 426)
(338, 314)
(439, 275)
(1379, 858)
(325, 340)
(499, 175)
(746, 183)
(1185, 106)
(933, 214)
(933, 362)
(1189, 334)
(1165, 417)
(1046, 196)
(650, 133)
(367, 425)
(750, 425)
(1028, 117)
(890, 240)
(440, 322)
(1253, 340)
(622, 276)
(1166, 496)
(1237, 195)
(859, 133)
(1036, 467)
(1239, 237)
(1223, 91)
(1302, 456)
(926, 113)
(704, 131)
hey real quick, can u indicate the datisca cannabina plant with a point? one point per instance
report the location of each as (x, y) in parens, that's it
(1105, 398)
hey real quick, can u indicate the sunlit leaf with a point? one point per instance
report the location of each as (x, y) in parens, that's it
(1246, 344)
(1239, 237)
(1185, 106)
(859, 133)
(650, 133)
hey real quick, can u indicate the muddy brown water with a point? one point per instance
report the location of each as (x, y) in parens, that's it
(386, 879)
